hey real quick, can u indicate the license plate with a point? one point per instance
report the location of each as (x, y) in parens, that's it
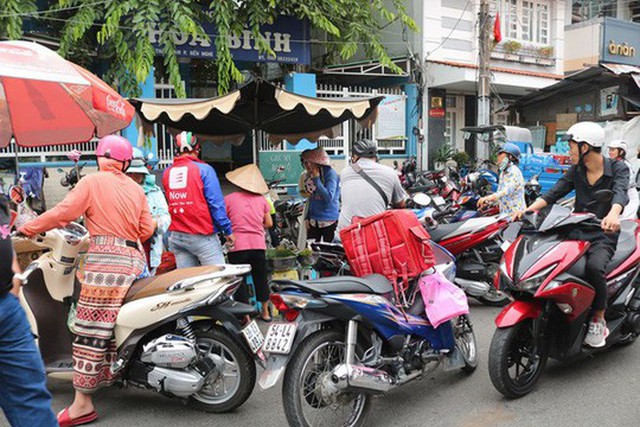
(438, 200)
(253, 335)
(279, 338)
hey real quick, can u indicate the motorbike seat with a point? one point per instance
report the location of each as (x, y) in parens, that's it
(157, 285)
(626, 244)
(443, 230)
(374, 283)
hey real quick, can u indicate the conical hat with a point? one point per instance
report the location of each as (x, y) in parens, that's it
(248, 178)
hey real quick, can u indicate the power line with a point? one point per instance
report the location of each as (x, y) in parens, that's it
(43, 12)
(452, 30)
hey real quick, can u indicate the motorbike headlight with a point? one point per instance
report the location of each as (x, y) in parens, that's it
(534, 282)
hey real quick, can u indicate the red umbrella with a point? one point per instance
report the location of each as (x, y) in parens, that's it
(47, 100)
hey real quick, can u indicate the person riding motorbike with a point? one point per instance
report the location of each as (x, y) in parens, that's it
(618, 150)
(510, 194)
(117, 216)
(367, 187)
(591, 171)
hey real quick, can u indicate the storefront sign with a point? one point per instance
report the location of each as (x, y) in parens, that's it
(620, 42)
(288, 37)
(609, 101)
(437, 113)
(392, 122)
(436, 109)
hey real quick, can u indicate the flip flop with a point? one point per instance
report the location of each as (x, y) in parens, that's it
(65, 420)
(265, 320)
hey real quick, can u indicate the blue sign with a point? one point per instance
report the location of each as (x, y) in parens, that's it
(288, 37)
(620, 42)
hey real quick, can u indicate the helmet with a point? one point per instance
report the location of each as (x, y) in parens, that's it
(317, 156)
(619, 143)
(365, 148)
(115, 147)
(587, 132)
(511, 149)
(186, 141)
(139, 162)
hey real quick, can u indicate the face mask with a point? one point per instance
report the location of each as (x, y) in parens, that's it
(504, 164)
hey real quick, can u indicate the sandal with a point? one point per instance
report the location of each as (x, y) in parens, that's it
(65, 420)
(267, 320)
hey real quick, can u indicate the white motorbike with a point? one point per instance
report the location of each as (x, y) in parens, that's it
(177, 333)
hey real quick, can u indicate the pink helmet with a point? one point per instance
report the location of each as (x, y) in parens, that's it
(115, 147)
(317, 156)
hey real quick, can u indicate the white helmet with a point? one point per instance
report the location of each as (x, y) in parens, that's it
(588, 132)
(621, 144)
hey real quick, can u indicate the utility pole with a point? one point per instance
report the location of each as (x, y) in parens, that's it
(484, 68)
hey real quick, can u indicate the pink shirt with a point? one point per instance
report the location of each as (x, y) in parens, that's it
(246, 212)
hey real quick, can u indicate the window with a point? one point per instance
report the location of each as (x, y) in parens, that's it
(584, 10)
(526, 20)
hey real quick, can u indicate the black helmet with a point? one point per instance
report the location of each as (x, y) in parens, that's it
(365, 148)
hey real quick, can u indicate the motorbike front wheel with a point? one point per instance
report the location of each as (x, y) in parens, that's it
(515, 364)
(307, 393)
(230, 384)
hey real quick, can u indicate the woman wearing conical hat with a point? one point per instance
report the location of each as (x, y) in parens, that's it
(249, 212)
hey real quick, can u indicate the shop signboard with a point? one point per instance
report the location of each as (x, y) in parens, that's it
(609, 101)
(392, 122)
(288, 37)
(620, 42)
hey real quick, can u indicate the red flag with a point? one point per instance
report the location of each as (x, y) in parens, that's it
(497, 35)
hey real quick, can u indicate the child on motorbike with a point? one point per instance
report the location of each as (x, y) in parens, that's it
(618, 151)
(117, 216)
(591, 172)
(249, 213)
(510, 194)
(158, 207)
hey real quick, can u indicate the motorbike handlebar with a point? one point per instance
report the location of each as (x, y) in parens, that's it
(439, 215)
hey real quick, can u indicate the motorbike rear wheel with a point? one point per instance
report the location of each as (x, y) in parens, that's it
(309, 368)
(515, 365)
(232, 382)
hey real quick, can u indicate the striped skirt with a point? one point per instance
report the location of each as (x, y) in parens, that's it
(106, 272)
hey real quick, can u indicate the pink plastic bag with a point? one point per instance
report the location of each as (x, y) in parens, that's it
(442, 299)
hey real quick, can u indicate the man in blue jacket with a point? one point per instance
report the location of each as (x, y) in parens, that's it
(196, 206)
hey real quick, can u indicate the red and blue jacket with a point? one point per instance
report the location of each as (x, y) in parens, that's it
(195, 199)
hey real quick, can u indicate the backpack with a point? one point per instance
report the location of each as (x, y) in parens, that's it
(392, 243)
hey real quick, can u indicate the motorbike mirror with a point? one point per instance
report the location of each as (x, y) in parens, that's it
(60, 170)
(17, 194)
(421, 199)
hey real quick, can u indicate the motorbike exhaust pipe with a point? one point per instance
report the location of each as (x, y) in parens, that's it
(472, 287)
(362, 378)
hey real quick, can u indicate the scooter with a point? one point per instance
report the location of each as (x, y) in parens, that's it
(545, 275)
(345, 341)
(177, 333)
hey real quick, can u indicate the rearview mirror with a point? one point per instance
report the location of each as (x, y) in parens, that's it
(421, 199)
(17, 194)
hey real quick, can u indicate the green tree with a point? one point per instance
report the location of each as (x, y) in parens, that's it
(120, 29)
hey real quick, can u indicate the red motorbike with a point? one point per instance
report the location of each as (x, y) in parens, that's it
(476, 244)
(544, 273)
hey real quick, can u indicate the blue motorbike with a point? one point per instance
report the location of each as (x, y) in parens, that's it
(347, 339)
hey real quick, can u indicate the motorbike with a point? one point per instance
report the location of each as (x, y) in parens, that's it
(476, 245)
(346, 340)
(177, 334)
(545, 275)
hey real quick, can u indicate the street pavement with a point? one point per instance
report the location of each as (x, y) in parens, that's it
(603, 390)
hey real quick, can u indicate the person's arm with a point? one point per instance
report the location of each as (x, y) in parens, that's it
(161, 211)
(215, 200)
(398, 195)
(17, 283)
(147, 224)
(611, 223)
(72, 207)
(268, 220)
(329, 189)
(563, 187)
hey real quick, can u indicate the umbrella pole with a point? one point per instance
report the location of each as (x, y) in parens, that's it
(15, 150)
